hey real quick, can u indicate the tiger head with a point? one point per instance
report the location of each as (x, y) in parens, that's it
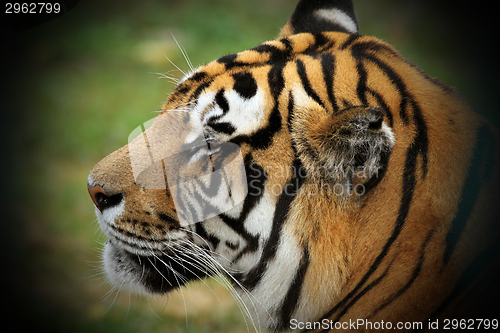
(321, 173)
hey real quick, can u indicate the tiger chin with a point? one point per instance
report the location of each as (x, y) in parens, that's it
(326, 177)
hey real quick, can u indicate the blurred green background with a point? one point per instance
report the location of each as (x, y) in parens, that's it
(74, 88)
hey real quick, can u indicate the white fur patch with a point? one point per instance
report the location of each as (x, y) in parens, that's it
(205, 101)
(120, 271)
(273, 288)
(259, 220)
(337, 16)
(246, 115)
(90, 181)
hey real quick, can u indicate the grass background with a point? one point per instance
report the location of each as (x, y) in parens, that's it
(74, 88)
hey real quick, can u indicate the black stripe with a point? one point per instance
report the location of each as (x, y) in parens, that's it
(169, 220)
(280, 214)
(291, 105)
(400, 86)
(359, 52)
(349, 41)
(212, 189)
(182, 90)
(421, 140)
(232, 246)
(222, 127)
(132, 235)
(221, 100)
(263, 137)
(361, 88)
(256, 181)
(202, 232)
(222, 154)
(198, 76)
(285, 54)
(328, 68)
(363, 292)
(416, 272)
(384, 164)
(479, 173)
(373, 284)
(252, 241)
(376, 47)
(301, 70)
(266, 48)
(320, 42)
(346, 104)
(383, 105)
(290, 301)
(276, 54)
(200, 202)
(228, 60)
(276, 81)
(199, 90)
(245, 85)
(406, 198)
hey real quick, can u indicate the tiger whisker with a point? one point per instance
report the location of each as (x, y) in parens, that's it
(221, 271)
(153, 311)
(178, 68)
(161, 274)
(116, 288)
(201, 255)
(177, 277)
(184, 53)
(170, 79)
(204, 251)
(198, 277)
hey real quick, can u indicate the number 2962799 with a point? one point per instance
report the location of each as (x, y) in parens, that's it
(32, 8)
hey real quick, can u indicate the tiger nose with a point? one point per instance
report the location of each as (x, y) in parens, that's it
(101, 200)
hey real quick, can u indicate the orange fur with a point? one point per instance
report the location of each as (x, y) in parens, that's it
(361, 264)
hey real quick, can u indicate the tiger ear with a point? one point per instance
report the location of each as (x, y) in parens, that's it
(322, 15)
(349, 148)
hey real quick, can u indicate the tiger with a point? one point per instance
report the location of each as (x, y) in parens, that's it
(332, 182)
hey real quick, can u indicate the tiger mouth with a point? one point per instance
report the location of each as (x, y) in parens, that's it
(158, 273)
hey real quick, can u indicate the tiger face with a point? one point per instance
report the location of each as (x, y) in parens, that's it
(321, 173)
